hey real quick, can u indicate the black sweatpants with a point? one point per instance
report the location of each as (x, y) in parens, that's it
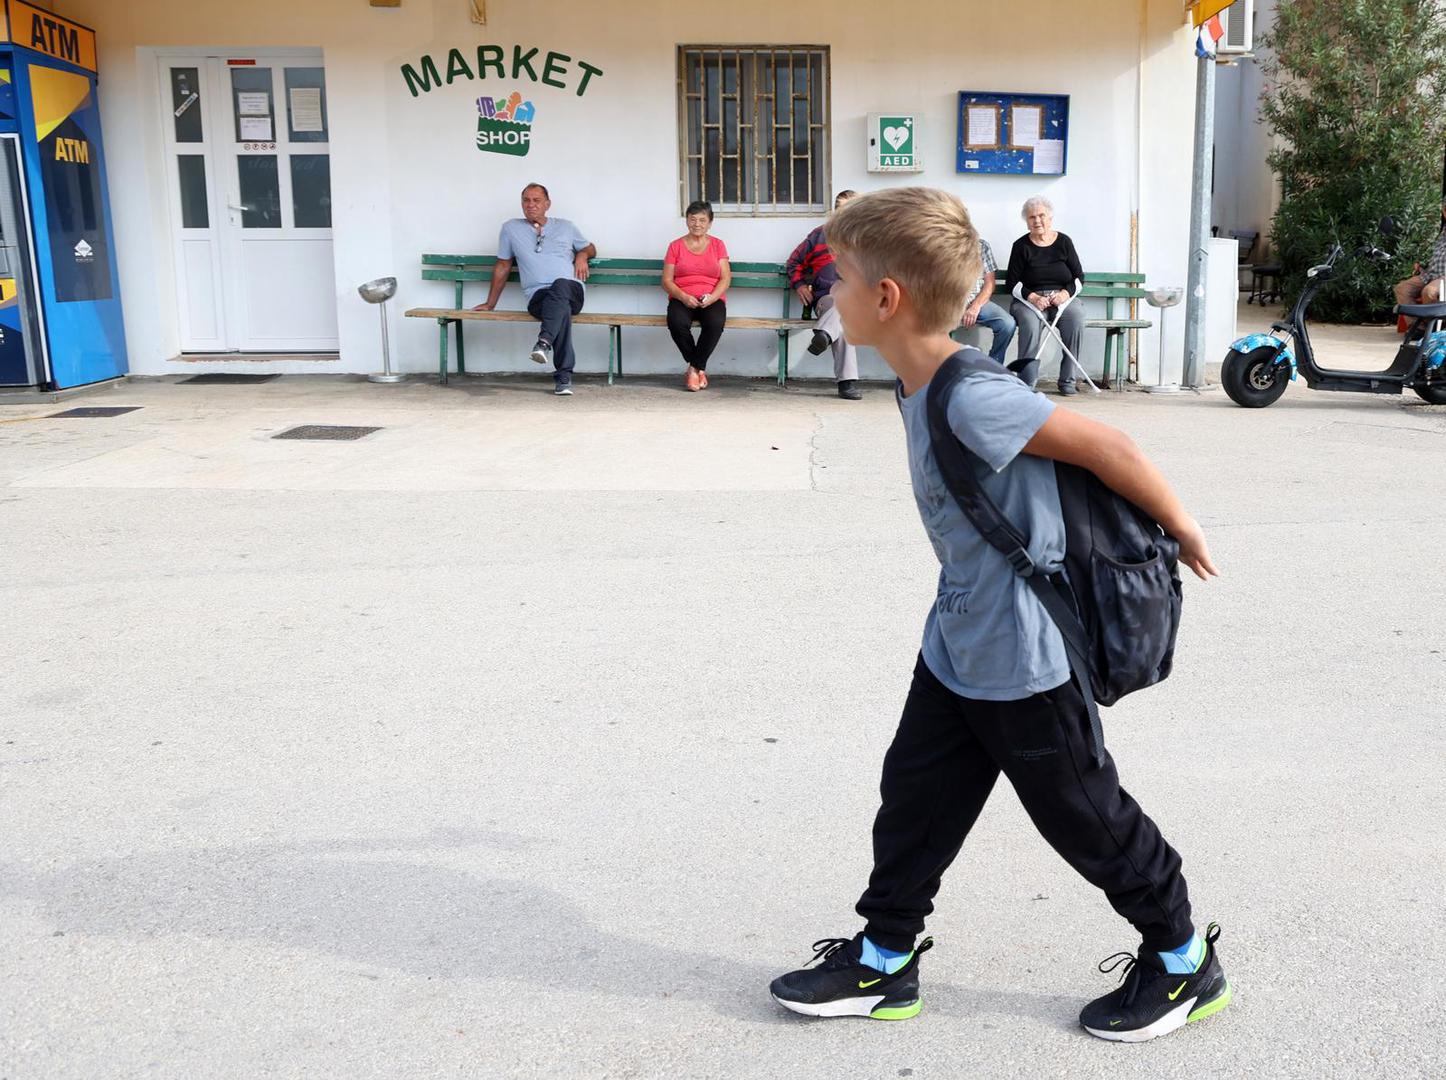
(680, 324)
(555, 306)
(938, 773)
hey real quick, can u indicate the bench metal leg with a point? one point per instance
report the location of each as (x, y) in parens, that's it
(783, 358)
(612, 350)
(461, 354)
(442, 351)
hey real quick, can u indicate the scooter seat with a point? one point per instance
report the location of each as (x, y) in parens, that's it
(1422, 311)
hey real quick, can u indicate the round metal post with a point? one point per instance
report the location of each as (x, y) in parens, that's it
(1163, 298)
(379, 292)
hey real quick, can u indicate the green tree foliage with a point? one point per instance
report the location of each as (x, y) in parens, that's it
(1356, 91)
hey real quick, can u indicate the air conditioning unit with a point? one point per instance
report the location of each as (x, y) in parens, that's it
(1239, 23)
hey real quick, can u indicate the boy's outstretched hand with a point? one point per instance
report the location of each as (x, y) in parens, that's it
(1193, 551)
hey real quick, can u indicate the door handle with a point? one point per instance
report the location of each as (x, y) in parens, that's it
(233, 206)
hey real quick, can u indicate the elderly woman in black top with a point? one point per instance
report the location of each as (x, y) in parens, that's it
(1045, 262)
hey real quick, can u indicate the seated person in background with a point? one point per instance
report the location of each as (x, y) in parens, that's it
(811, 273)
(552, 263)
(1046, 263)
(981, 310)
(695, 277)
(1425, 287)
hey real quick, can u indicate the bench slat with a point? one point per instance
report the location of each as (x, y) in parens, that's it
(1123, 277)
(604, 318)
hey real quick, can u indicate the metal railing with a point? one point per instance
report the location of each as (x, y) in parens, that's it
(753, 127)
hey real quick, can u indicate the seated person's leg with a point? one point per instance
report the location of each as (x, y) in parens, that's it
(680, 328)
(830, 326)
(1409, 291)
(555, 307)
(1026, 318)
(1001, 324)
(1070, 324)
(710, 322)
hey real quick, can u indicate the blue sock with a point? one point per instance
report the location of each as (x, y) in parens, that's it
(880, 959)
(1185, 960)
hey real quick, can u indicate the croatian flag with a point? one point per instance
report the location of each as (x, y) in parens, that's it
(1208, 37)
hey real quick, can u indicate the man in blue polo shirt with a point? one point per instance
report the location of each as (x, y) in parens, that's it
(551, 257)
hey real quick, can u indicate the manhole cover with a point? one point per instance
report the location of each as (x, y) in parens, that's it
(218, 377)
(97, 410)
(326, 432)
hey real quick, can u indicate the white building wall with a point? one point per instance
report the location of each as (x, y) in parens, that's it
(407, 178)
(1246, 192)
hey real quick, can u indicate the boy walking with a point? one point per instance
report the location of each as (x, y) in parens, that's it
(991, 690)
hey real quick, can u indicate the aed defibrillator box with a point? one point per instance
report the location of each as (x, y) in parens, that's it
(60, 309)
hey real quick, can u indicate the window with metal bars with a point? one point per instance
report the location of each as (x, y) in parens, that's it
(753, 127)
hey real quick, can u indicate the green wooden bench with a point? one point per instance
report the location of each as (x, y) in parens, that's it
(1110, 287)
(463, 269)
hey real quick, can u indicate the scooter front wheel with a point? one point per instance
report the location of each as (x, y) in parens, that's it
(1254, 380)
(1435, 393)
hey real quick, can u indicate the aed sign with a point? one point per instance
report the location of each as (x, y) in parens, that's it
(49, 34)
(894, 143)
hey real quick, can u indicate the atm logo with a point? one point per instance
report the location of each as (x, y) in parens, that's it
(54, 38)
(52, 35)
(76, 150)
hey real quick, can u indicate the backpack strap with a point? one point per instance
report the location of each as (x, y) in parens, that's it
(954, 460)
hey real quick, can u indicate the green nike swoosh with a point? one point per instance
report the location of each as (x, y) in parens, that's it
(866, 985)
(1116, 1023)
(1177, 991)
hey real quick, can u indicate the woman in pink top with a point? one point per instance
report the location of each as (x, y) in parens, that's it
(695, 277)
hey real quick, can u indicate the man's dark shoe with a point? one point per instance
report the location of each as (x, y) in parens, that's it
(541, 352)
(820, 343)
(849, 390)
(841, 986)
(1068, 389)
(1151, 1002)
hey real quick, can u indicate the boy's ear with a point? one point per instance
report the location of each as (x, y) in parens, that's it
(887, 298)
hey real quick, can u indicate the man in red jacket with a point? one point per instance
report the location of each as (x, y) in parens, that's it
(811, 274)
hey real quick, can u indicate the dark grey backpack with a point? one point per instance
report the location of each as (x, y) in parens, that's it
(1117, 602)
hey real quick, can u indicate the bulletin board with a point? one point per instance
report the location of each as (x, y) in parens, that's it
(1019, 134)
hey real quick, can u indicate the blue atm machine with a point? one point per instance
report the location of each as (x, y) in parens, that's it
(60, 308)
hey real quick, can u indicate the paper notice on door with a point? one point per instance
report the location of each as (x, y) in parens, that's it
(306, 109)
(253, 104)
(256, 129)
(1049, 157)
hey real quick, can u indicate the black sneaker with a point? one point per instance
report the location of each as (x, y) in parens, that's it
(1067, 389)
(820, 343)
(1151, 1002)
(848, 389)
(841, 986)
(541, 352)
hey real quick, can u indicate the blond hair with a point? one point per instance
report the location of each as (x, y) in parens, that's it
(920, 237)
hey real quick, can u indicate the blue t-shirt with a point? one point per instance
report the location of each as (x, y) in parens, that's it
(537, 269)
(987, 636)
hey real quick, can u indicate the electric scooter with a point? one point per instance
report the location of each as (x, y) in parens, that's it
(1258, 367)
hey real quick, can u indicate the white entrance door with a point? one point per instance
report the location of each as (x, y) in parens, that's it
(249, 174)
